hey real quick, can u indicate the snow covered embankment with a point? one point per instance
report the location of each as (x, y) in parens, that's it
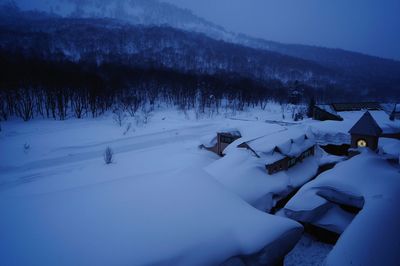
(365, 181)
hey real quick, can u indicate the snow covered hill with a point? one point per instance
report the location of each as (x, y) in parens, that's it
(101, 40)
(155, 12)
(144, 12)
(348, 70)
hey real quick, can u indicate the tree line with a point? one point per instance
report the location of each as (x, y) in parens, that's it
(31, 86)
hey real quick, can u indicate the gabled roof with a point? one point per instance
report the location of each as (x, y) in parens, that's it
(289, 142)
(230, 131)
(341, 107)
(327, 108)
(366, 126)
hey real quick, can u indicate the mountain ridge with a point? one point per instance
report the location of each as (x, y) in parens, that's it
(361, 74)
(155, 12)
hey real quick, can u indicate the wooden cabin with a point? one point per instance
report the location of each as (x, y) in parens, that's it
(357, 106)
(288, 162)
(222, 140)
(365, 133)
(323, 112)
(225, 139)
(281, 150)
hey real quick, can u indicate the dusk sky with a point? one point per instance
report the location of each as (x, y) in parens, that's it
(367, 26)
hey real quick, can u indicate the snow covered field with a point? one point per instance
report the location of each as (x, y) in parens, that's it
(163, 201)
(61, 204)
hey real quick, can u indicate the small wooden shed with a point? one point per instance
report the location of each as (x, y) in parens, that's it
(222, 140)
(365, 133)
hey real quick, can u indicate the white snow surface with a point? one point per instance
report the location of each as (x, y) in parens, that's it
(290, 142)
(366, 181)
(61, 205)
(245, 174)
(390, 147)
(186, 218)
(155, 205)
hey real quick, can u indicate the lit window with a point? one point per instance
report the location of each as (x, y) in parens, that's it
(362, 143)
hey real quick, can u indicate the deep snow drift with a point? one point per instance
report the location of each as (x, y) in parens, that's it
(367, 182)
(165, 201)
(60, 204)
(186, 218)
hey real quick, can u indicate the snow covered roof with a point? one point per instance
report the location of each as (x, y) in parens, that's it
(288, 142)
(230, 131)
(337, 132)
(327, 108)
(210, 140)
(366, 181)
(244, 174)
(342, 107)
(251, 131)
(391, 107)
(366, 126)
(390, 147)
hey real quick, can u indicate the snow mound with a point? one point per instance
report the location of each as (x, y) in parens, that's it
(186, 218)
(366, 182)
(245, 174)
(390, 147)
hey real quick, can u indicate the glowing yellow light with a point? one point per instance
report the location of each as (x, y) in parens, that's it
(361, 143)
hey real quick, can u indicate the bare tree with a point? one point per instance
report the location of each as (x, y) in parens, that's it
(78, 104)
(131, 104)
(147, 113)
(108, 155)
(128, 127)
(27, 147)
(25, 104)
(119, 116)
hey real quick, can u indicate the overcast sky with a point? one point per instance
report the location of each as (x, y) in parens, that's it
(367, 26)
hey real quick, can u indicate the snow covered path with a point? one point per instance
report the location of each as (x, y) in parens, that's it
(72, 154)
(60, 157)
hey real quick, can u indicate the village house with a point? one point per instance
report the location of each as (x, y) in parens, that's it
(365, 133)
(282, 150)
(333, 135)
(323, 112)
(221, 141)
